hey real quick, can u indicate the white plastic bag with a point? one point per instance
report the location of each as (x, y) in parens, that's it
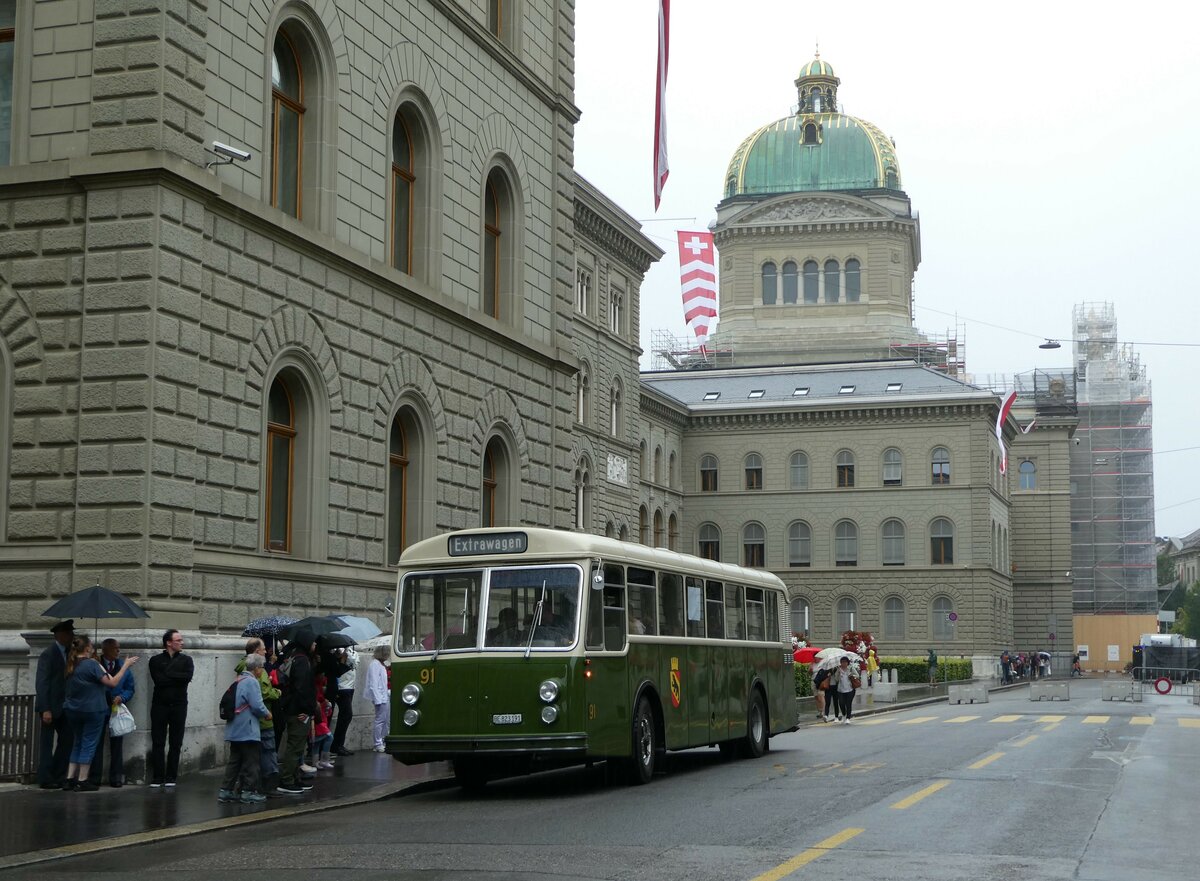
(121, 722)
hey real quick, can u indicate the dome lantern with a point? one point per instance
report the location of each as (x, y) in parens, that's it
(816, 87)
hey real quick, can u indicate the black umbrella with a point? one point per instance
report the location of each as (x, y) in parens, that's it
(328, 641)
(268, 626)
(96, 602)
(314, 625)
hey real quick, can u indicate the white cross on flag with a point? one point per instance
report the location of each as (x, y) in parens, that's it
(698, 276)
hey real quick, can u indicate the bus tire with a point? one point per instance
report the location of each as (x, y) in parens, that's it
(755, 743)
(470, 774)
(645, 743)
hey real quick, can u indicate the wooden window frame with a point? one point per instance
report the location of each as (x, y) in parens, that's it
(408, 175)
(279, 98)
(399, 461)
(493, 237)
(487, 507)
(290, 432)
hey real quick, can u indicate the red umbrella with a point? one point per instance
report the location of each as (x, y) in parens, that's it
(805, 655)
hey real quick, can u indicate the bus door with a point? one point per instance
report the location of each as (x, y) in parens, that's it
(697, 679)
(608, 710)
(674, 686)
(719, 675)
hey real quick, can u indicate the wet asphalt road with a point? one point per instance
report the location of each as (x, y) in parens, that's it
(1013, 790)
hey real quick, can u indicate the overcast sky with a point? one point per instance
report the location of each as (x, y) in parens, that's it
(1049, 149)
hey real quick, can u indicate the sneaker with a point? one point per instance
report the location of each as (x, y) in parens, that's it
(156, 784)
(86, 786)
(308, 769)
(325, 765)
(291, 789)
(342, 751)
(380, 749)
(226, 796)
(829, 718)
(170, 783)
(252, 798)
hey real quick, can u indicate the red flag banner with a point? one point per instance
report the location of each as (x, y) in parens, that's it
(660, 102)
(698, 277)
(1005, 406)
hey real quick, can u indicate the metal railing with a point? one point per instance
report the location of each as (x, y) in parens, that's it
(18, 737)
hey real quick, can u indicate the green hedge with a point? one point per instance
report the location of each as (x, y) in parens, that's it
(912, 670)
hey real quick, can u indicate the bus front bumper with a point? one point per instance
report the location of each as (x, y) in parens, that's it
(414, 750)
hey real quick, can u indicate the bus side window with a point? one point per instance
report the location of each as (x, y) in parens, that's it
(614, 608)
(670, 594)
(735, 627)
(695, 606)
(643, 601)
(773, 607)
(755, 621)
(715, 609)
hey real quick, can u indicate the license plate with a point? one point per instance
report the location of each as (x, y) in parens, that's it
(506, 719)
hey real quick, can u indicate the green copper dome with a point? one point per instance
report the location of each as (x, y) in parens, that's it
(817, 67)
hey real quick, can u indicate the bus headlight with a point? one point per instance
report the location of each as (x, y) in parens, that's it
(548, 691)
(410, 694)
(412, 717)
(549, 714)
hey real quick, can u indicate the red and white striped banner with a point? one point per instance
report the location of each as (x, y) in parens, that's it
(698, 277)
(1005, 405)
(660, 102)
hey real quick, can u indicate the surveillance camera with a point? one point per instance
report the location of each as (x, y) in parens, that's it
(1077, 441)
(230, 153)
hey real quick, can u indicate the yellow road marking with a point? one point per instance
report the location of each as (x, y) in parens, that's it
(1051, 726)
(961, 719)
(1024, 741)
(1189, 723)
(1142, 720)
(1007, 719)
(1095, 720)
(878, 720)
(921, 794)
(918, 720)
(985, 761)
(807, 856)
(1051, 718)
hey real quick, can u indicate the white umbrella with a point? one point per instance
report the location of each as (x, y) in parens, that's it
(834, 661)
(832, 652)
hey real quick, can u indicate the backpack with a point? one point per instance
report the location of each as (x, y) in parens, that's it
(227, 709)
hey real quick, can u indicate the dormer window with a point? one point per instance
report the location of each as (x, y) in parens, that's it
(810, 134)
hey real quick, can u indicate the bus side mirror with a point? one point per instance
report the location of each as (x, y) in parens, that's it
(597, 581)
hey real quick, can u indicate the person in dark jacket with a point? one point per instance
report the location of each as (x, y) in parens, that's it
(121, 693)
(51, 691)
(170, 671)
(297, 706)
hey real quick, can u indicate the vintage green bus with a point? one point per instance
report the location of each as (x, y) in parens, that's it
(519, 649)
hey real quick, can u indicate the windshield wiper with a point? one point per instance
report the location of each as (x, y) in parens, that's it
(537, 619)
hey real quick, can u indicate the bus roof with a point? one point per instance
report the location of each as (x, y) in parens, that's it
(562, 544)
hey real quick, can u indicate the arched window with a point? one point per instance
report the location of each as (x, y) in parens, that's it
(892, 536)
(658, 529)
(498, 246)
(496, 479)
(798, 470)
(940, 466)
(801, 615)
(623, 533)
(810, 130)
(281, 463)
(799, 544)
(853, 281)
(610, 529)
(941, 542)
(894, 625)
(403, 490)
(812, 282)
(754, 471)
(832, 281)
(404, 185)
(708, 539)
(643, 525)
(770, 291)
(942, 627)
(502, 21)
(1028, 475)
(414, 190)
(790, 285)
(708, 474)
(583, 495)
(658, 464)
(754, 545)
(673, 532)
(287, 122)
(845, 544)
(672, 476)
(845, 469)
(616, 309)
(615, 415)
(846, 617)
(893, 467)
(583, 391)
(995, 545)
(583, 290)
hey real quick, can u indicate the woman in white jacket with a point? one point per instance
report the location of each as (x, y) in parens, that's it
(377, 693)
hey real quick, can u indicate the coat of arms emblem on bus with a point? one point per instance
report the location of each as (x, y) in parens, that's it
(676, 687)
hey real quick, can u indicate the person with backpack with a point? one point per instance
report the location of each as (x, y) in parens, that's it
(297, 706)
(243, 734)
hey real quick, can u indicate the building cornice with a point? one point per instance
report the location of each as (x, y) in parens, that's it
(758, 420)
(594, 225)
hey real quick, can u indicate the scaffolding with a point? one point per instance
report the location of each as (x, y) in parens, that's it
(1112, 472)
(670, 352)
(943, 352)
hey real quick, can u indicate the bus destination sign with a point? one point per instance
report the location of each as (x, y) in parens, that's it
(495, 543)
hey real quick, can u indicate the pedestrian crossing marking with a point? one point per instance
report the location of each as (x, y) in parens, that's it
(1142, 720)
(1095, 720)
(1025, 741)
(918, 720)
(1051, 718)
(1189, 723)
(920, 794)
(1009, 718)
(961, 719)
(878, 720)
(985, 761)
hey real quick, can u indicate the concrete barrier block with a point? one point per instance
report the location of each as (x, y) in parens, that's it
(1121, 690)
(1051, 691)
(967, 694)
(885, 692)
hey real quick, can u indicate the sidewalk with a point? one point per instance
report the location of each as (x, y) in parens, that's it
(41, 825)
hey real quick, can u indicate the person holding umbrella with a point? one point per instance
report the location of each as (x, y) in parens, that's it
(86, 707)
(297, 706)
(48, 704)
(171, 671)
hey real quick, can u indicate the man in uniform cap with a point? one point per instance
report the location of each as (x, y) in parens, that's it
(48, 704)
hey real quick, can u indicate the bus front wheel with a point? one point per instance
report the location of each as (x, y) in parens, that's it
(755, 743)
(645, 743)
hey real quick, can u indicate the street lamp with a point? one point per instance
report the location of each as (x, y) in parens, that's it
(1050, 344)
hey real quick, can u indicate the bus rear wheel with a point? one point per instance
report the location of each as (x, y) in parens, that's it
(755, 743)
(470, 774)
(645, 743)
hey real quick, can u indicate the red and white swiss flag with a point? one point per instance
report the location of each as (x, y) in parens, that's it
(1005, 405)
(698, 277)
(660, 101)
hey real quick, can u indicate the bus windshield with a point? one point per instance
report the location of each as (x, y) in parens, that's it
(534, 606)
